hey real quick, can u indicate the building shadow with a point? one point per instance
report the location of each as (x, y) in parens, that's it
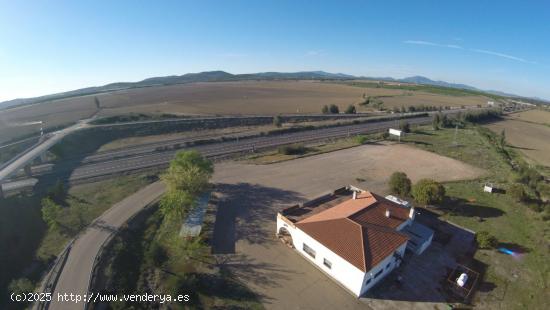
(463, 207)
(247, 212)
(423, 278)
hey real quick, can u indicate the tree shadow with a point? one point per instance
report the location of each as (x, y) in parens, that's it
(243, 211)
(462, 207)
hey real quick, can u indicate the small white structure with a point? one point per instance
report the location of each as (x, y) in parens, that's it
(355, 237)
(491, 103)
(461, 281)
(396, 132)
(487, 188)
(398, 201)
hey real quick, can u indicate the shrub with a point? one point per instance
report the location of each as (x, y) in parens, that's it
(361, 139)
(428, 191)
(351, 109)
(485, 240)
(21, 286)
(400, 184)
(296, 149)
(277, 121)
(324, 110)
(517, 192)
(333, 109)
(157, 254)
(405, 126)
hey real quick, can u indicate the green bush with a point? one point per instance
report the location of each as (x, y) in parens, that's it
(21, 286)
(361, 139)
(277, 121)
(405, 126)
(351, 109)
(333, 109)
(428, 191)
(517, 192)
(400, 184)
(295, 149)
(485, 240)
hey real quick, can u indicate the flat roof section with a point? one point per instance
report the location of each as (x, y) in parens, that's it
(299, 212)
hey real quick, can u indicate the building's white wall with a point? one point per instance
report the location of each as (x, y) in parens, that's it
(382, 265)
(345, 273)
(282, 223)
(424, 246)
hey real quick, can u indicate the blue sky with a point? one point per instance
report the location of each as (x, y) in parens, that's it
(52, 46)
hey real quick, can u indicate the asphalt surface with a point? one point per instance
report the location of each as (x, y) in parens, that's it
(36, 151)
(147, 157)
(76, 272)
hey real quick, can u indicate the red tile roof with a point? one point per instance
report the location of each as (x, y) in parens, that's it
(358, 230)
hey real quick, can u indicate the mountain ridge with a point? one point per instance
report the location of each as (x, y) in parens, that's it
(220, 76)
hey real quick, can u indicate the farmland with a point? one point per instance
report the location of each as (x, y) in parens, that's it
(217, 98)
(528, 132)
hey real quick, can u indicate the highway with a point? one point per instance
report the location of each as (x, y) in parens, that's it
(139, 158)
(77, 270)
(27, 157)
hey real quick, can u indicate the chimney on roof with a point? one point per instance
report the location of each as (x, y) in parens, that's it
(387, 213)
(411, 213)
(354, 195)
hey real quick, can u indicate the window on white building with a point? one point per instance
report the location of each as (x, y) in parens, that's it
(368, 281)
(309, 250)
(327, 263)
(388, 265)
(378, 273)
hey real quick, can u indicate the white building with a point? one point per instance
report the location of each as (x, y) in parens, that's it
(353, 236)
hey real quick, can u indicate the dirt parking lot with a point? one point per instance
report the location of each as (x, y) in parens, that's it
(251, 195)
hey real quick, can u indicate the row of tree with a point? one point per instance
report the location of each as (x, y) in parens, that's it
(334, 109)
(425, 191)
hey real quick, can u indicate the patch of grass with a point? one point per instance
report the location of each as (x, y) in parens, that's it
(270, 157)
(27, 246)
(514, 283)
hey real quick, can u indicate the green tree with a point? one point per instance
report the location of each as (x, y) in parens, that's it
(189, 171)
(57, 192)
(50, 213)
(428, 191)
(277, 121)
(517, 192)
(485, 240)
(435, 121)
(97, 104)
(324, 110)
(157, 254)
(351, 109)
(405, 126)
(400, 184)
(333, 109)
(502, 139)
(175, 203)
(21, 286)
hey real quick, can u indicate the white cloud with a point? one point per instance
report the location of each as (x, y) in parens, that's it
(475, 50)
(315, 53)
(419, 42)
(502, 55)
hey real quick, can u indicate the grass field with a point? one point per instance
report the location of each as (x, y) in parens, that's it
(529, 133)
(27, 246)
(217, 98)
(519, 282)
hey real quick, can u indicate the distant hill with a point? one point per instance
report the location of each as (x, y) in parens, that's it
(219, 76)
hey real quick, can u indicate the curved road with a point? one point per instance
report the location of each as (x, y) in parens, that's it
(76, 272)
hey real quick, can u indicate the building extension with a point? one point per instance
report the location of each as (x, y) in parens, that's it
(354, 236)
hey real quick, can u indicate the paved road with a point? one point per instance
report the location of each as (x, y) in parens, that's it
(216, 150)
(75, 275)
(36, 151)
